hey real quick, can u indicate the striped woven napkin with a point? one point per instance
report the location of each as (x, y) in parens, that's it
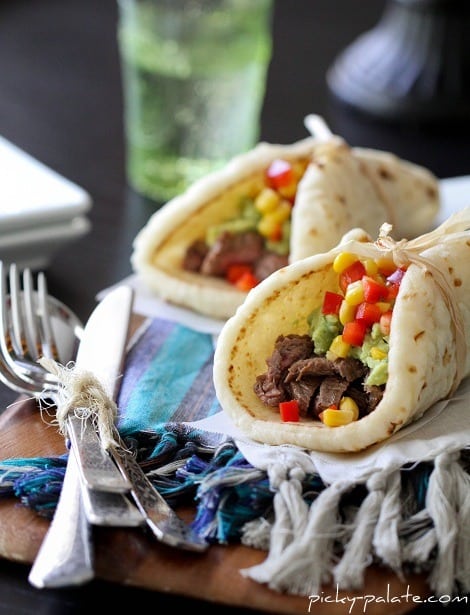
(320, 518)
(405, 503)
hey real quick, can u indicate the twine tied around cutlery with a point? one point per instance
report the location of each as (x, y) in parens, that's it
(82, 394)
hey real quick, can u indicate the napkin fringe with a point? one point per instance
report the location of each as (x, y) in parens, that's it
(403, 523)
(416, 518)
(301, 555)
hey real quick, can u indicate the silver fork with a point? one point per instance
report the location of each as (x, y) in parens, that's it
(150, 507)
(21, 345)
(32, 336)
(26, 333)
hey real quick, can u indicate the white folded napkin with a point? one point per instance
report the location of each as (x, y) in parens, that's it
(302, 540)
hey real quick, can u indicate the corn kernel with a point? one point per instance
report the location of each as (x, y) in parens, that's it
(282, 212)
(343, 260)
(377, 353)
(370, 266)
(268, 226)
(348, 403)
(299, 167)
(386, 265)
(267, 200)
(384, 306)
(289, 191)
(354, 293)
(255, 187)
(339, 348)
(347, 312)
(335, 418)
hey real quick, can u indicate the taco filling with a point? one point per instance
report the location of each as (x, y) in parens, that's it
(250, 246)
(337, 373)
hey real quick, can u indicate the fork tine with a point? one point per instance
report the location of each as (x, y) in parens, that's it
(8, 375)
(31, 329)
(17, 368)
(4, 320)
(48, 341)
(17, 326)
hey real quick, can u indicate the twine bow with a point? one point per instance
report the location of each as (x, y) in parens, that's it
(82, 394)
(406, 252)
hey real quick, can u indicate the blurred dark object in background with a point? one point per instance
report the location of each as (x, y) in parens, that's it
(414, 65)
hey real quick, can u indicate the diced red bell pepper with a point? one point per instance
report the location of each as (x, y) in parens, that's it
(373, 291)
(289, 410)
(392, 292)
(368, 313)
(279, 174)
(276, 233)
(393, 283)
(236, 270)
(354, 332)
(331, 303)
(353, 273)
(246, 281)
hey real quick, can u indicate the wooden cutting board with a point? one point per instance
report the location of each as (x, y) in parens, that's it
(134, 557)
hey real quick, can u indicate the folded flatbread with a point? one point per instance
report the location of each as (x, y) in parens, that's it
(342, 188)
(428, 342)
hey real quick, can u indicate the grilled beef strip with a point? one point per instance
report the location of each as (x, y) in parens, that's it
(271, 387)
(296, 372)
(269, 263)
(245, 248)
(195, 255)
(232, 248)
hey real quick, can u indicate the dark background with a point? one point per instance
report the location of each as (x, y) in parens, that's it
(61, 101)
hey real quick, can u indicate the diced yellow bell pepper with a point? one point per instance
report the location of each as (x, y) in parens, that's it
(343, 260)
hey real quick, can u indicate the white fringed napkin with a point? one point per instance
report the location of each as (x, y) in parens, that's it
(309, 545)
(301, 539)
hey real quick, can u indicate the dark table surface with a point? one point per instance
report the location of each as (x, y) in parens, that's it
(61, 101)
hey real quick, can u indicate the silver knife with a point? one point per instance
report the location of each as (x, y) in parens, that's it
(102, 352)
(66, 555)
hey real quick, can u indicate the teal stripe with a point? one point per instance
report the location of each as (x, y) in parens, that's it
(167, 379)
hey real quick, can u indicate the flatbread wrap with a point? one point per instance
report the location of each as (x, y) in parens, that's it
(208, 247)
(264, 358)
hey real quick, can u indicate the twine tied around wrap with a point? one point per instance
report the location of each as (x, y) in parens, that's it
(406, 252)
(82, 394)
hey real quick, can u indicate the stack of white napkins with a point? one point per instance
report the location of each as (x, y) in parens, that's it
(39, 209)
